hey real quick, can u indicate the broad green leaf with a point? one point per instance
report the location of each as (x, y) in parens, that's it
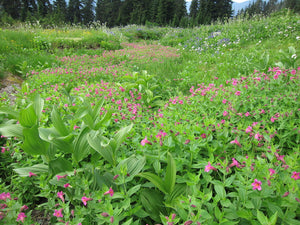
(119, 138)
(33, 144)
(101, 145)
(37, 169)
(220, 191)
(28, 117)
(58, 123)
(273, 219)
(38, 105)
(154, 179)
(128, 222)
(179, 189)
(9, 111)
(50, 135)
(133, 190)
(246, 214)
(105, 120)
(170, 177)
(262, 218)
(97, 109)
(60, 165)
(81, 145)
(152, 202)
(11, 130)
(134, 165)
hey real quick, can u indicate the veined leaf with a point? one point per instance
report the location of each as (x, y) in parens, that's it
(9, 111)
(220, 191)
(58, 123)
(33, 144)
(154, 179)
(119, 138)
(133, 190)
(101, 145)
(134, 165)
(28, 117)
(60, 165)
(97, 109)
(170, 177)
(179, 189)
(37, 169)
(38, 105)
(104, 120)
(262, 218)
(81, 145)
(11, 130)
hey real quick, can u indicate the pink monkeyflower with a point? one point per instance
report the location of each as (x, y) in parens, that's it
(60, 194)
(203, 135)
(247, 114)
(225, 113)
(60, 177)
(234, 163)
(111, 219)
(67, 185)
(104, 214)
(21, 217)
(249, 129)
(187, 141)
(24, 208)
(293, 72)
(75, 127)
(4, 196)
(237, 93)
(188, 222)
(85, 200)
(145, 141)
(173, 216)
(272, 171)
(286, 194)
(276, 76)
(258, 136)
(273, 119)
(224, 101)
(57, 213)
(296, 175)
(209, 167)
(256, 185)
(31, 174)
(110, 192)
(235, 141)
(116, 176)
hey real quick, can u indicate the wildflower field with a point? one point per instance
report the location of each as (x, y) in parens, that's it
(149, 125)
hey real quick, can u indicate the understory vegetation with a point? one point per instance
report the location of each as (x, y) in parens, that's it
(152, 125)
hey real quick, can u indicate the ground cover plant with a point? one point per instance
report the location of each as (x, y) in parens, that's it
(199, 132)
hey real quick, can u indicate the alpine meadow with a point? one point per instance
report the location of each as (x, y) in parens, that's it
(179, 118)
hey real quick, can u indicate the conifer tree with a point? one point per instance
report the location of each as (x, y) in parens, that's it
(11, 8)
(194, 7)
(87, 11)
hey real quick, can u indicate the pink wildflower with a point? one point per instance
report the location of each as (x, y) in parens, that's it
(31, 174)
(21, 217)
(234, 163)
(85, 200)
(256, 185)
(225, 113)
(110, 192)
(24, 208)
(209, 167)
(60, 194)
(296, 175)
(145, 141)
(60, 177)
(57, 213)
(67, 185)
(272, 171)
(237, 93)
(188, 222)
(235, 141)
(249, 129)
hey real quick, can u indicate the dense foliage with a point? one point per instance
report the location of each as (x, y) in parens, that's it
(140, 125)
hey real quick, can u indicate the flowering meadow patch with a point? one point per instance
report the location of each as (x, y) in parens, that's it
(98, 140)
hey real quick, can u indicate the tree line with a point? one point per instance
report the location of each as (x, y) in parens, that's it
(115, 12)
(266, 8)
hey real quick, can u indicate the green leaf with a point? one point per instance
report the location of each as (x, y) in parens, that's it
(243, 213)
(81, 145)
(38, 105)
(105, 120)
(273, 219)
(154, 179)
(262, 218)
(11, 130)
(170, 177)
(220, 191)
(133, 190)
(28, 116)
(119, 138)
(179, 189)
(134, 165)
(97, 109)
(60, 165)
(37, 169)
(50, 135)
(9, 111)
(101, 145)
(33, 144)
(58, 123)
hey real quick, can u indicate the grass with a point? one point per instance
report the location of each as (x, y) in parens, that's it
(134, 132)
